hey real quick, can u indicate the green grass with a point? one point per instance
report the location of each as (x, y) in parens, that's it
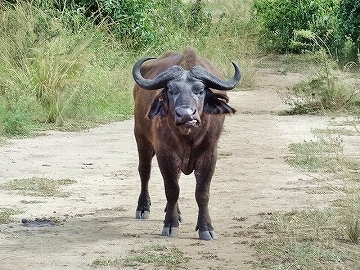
(60, 71)
(328, 89)
(353, 230)
(53, 77)
(309, 239)
(322, 155)
(317, 238)
(105, 262)
(150, 257)
(158, 256)
(35, 186)
(6, 213)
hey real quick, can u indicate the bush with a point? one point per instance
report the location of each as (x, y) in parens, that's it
(349, 11)
(17, 124)
(349, 30)
(140, 24)
(280, 18)
(328, 90)
(132, 22)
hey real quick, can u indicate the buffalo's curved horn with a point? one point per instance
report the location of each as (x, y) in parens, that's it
(159, 81)
(214, 82)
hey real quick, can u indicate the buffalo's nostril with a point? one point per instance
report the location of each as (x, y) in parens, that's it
(185, 111)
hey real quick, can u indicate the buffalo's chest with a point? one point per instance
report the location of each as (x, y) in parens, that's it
(185, 151)
(187, 164)
(188, 158)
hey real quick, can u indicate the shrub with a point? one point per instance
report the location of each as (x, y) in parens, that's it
(280, 18)
(327, 90)
(140, 24)
(17, 123)
(349, 30)
(129, 21)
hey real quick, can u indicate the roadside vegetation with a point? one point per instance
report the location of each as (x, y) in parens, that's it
(157, 256)
(318, 238)
(67, 65)
(320, 40)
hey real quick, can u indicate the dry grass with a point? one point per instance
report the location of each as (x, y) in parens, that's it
(317, 238)
(35, 186)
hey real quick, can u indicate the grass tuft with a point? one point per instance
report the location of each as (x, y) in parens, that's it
(330, 89)
(353, 230)
(35, 186)
(6, 213)
(158, 256)
(105, 262)
(324, 154)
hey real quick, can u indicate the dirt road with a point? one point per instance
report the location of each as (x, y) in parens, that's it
(96, 222)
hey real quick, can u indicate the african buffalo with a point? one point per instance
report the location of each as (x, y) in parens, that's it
(180, 104)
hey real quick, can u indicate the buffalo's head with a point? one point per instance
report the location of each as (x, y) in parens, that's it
(186, 93)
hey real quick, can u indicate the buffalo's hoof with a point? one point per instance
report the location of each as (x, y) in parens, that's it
(170, 231)
(207, 235)
(142, 214)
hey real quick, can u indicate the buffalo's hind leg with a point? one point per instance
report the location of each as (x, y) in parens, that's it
(146, 153)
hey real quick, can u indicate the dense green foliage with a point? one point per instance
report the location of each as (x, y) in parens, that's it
(130, 21)
(349, 28)
(334, 23)
(281, 17)
(349, 14)
(138, 24)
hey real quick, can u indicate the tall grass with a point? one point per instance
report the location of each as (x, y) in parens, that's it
(47, 72)
(225, 37)
(60, 69)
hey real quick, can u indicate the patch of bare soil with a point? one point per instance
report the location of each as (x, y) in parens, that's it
(97, 221)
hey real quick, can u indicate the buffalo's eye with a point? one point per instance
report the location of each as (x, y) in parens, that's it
(172, 92)
(198, 89)
(199, 92)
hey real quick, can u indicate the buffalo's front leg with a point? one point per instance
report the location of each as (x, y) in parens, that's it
(146, 154)
(171, 173)
(203, 172)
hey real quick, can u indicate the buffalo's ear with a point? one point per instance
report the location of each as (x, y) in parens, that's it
(158, 107)
(216, 103)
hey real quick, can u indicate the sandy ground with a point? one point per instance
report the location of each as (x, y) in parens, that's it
(252, 179)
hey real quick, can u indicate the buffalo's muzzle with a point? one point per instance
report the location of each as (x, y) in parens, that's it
(185, 115)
